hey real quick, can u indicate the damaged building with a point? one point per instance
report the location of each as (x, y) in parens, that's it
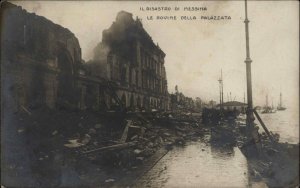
(40, 61)
(42, 66)
(128, 57)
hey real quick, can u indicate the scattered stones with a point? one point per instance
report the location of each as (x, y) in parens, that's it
(166, 134)
(140, 158)
(150, 144)
(86, 139)
(92, 131)
(98, 126)
(134, 137)
(54, 132)
(137, 151)
(160, 140)
(109, 180)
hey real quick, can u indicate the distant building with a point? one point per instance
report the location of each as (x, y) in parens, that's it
(180, 101)
(198, 104)
(234, 105)
(212, 104)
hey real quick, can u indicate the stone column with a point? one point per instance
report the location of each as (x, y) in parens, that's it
(127, 74)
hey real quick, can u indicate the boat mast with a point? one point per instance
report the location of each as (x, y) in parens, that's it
(280, 102)
(222, 86)
(221, 90)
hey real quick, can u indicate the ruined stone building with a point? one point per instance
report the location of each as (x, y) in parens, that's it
(128, 57)
(41, 65)
(40, 61)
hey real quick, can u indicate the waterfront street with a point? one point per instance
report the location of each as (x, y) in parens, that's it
(205, 164)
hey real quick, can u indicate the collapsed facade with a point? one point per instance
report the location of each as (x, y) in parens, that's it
(41, 65)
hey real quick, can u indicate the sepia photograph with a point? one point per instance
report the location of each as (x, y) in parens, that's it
(151, 94)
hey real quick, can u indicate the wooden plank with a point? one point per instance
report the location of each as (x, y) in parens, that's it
(27, 111)
(125, 132)
(117, 146)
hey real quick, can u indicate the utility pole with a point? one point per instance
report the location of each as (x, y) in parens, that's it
(250, 117)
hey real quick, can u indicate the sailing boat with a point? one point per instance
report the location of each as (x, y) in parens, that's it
(273, 110)
(267, 109)
(280, 107)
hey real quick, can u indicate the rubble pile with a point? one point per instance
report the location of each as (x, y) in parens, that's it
(48, 140)
(146, 135)
(89, 145)
(276, 164)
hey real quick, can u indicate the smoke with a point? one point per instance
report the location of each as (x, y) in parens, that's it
(98, 65)
(101, 52)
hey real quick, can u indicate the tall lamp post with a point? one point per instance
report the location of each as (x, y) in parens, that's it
(252, 133)
(250, 117)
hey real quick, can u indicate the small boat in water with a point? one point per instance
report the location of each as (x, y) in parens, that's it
(268, 109)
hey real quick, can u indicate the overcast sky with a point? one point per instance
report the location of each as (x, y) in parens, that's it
(197, 50)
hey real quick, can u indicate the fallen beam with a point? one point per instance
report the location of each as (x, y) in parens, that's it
(27, 111)
(117, 146)
(263, 125)
(125, 132)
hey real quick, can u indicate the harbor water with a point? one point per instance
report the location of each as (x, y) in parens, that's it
(285, 123)
(201, 164)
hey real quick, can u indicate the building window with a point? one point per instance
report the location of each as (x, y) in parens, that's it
(130, 75)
